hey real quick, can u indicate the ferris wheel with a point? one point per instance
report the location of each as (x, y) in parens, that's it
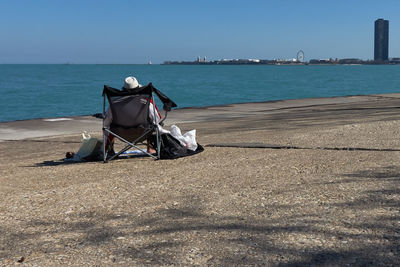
(300, 56)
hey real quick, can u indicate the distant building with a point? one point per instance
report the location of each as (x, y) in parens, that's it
(199, 60)
(381, 48)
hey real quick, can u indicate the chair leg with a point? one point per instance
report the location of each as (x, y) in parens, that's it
(108, 145)
(104, 147)
(120, 152)
(158, 137)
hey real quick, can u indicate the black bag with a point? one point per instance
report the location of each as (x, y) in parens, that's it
(171, 148)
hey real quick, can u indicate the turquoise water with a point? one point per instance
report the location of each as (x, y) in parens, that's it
(38, 91)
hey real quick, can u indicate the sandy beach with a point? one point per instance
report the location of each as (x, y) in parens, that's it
(295, 182)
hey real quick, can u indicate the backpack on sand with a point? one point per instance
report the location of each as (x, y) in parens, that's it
(171, 148)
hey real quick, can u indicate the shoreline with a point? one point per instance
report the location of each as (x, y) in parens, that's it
(44, 127)
(183, 108)
(214, 106)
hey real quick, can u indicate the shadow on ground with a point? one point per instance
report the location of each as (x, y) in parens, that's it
(188, 234)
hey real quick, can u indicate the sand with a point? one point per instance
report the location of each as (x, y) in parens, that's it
(332, 199)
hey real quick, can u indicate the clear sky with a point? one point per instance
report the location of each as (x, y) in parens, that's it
(122, 31)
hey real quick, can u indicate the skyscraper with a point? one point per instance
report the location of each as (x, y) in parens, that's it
(381, 48)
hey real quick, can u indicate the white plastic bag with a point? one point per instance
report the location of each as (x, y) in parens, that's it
(90, 148)
(187, 140)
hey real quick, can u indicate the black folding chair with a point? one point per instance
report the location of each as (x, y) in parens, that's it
(131, 122)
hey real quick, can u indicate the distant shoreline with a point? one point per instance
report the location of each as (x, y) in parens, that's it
(209, 64)
(296, 62)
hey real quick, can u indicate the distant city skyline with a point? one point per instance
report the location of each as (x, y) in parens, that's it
(123, 32)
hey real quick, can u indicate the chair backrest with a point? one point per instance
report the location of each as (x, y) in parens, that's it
(130, 111)
(130, 108)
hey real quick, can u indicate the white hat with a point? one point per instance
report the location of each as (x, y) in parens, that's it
(131, 83)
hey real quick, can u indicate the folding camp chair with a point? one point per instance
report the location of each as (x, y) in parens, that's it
(131, 121)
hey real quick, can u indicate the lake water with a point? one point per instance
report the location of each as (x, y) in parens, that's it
(38, 91)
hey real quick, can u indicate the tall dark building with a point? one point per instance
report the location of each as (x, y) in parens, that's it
(381, 48)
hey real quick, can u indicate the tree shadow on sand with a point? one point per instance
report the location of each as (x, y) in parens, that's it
(189, 234)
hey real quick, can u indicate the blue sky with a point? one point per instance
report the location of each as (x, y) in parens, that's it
(122, 31)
